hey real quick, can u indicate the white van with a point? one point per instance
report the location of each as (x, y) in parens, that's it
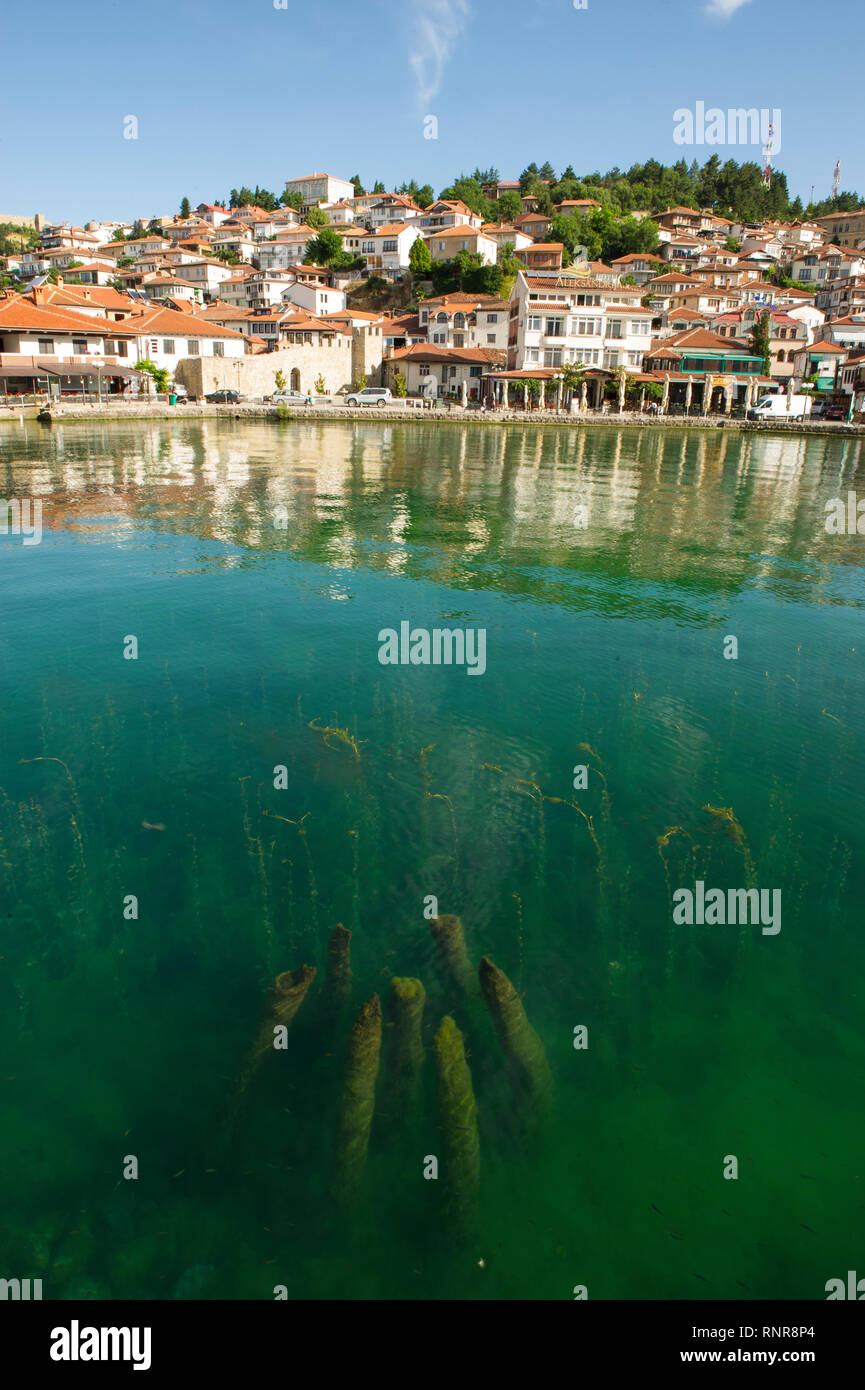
(781, 407)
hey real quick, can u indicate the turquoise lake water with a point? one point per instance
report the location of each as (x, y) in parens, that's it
(255, 565)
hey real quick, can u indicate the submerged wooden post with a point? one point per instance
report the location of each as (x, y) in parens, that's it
(447, 933)
(280, 1007)
(358, 1098)
(405, 1044)
(459, 1123)
(520, 1043)
(337, 978)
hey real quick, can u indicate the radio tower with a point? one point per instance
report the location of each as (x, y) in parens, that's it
(767, 157)
(836, 181)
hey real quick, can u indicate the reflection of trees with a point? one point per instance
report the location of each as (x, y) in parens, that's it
(463, 505)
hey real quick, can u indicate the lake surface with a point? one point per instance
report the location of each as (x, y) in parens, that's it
(255, 565)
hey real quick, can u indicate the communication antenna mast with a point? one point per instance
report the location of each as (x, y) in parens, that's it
(767, 156)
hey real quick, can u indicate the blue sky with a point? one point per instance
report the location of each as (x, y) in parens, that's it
(226, 93)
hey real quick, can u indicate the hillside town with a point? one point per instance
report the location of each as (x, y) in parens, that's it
(337, 290)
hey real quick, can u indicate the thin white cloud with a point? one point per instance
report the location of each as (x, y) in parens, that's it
(436, 28)
(724, 9)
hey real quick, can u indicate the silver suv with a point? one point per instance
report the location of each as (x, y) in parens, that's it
(370, 395)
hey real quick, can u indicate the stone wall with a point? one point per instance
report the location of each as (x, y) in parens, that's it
(367, 353)
(254, 375)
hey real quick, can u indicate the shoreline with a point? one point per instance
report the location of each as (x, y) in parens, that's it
(456, 415)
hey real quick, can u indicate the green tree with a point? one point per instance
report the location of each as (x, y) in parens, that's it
(425, 196)
(359, 190)
(760, 344)
(292, 200)
(509, 206)
(508, 262)
(324, 248)
(419, 258)
(316, 218)
(160, 375)
(185, 208)
(469, 191)
(400, 385)
(320, 385)
(279, 380)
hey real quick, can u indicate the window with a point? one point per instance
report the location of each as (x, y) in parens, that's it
(194, 347)
(492, 318)
(491, 337)
(475, 371)
(637, 327)
(46, 345)
(441, 317)
(219, 349)
(423, 370)
(552, 357)
(531, 354)
(168, 346)
(388, 246)
(440, 337)
(555, 328)
(614, 328)
(79, 347)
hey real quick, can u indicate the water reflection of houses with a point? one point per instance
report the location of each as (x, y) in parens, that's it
(657, 504)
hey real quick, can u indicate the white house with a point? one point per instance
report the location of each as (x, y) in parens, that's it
(167, 337)
(320, 188)
(563, 318)
(317, 299)
(387, 250)
(425, 364)
(465, 320)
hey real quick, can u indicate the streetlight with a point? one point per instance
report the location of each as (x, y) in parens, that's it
(99, 364)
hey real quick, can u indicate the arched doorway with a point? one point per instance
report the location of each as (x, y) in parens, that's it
(295, 379)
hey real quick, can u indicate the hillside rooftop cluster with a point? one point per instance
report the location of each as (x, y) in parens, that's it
(336, 288)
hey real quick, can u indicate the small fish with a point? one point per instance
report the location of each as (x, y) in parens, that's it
(675, 1237)
(807, 1228)
(744, 1286)
(699, 1276)
(657, 1209)
(145, 825)
(725, 1211)
(180, 1174)
(809, 1176)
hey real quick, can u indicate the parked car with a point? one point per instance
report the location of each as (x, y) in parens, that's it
(370, 395)
(286, 397)
(223, 398)
(834, 412)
